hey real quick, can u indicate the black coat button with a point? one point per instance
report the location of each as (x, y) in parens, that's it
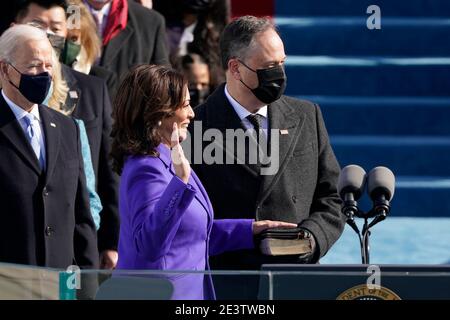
(45, 192)
(48, 231)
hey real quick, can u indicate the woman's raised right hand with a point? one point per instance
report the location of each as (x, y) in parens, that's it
(180, 163)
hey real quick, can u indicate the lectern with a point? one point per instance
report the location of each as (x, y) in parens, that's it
(356, 282)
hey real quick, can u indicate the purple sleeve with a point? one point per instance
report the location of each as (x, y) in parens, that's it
(231, 234)
(155, 209)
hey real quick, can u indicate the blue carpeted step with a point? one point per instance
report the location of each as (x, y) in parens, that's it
(417, 196)
(424, 156)
(412, 8)
(368, 76)
(385, 115)
(350, 36)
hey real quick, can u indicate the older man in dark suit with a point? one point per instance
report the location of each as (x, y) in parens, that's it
(299, 186)
(46, 220)
(89, 101)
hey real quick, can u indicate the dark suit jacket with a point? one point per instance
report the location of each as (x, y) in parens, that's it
(45, 216)
(142, 41)
(110, 77)
(302, 191)
(93, 106)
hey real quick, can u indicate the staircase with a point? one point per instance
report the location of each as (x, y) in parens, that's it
(385, 97)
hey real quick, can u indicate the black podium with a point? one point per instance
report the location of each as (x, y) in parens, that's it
(356, 282)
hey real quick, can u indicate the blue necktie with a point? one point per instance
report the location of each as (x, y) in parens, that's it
(33, 133)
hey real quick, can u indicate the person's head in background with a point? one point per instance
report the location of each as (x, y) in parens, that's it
(182, 17)
(26, 65)
(201, 22)
(253, 56)
(149, 101)
(52, 16)
(196, 70)
(86, 36)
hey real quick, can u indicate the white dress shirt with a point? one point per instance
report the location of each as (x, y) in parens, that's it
(244, 113)
(20, 114)
(186, 38)
(100, 16)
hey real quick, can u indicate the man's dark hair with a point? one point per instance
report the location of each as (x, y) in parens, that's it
(238, 35)
(22, 6)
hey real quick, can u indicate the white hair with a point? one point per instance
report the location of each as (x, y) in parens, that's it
(11, 39)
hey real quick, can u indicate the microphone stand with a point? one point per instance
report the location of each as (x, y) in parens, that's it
(350, 210)
(364, 238)
(365, 241)
(378, 213)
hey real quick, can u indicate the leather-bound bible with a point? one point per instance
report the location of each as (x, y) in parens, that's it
(278, 241)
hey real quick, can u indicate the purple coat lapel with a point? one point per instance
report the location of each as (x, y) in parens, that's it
(164, 156)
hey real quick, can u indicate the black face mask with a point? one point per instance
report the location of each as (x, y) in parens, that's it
(33, 87)
(271, 83)
(198, 96)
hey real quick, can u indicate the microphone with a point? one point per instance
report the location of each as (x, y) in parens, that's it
(380, 187)
(350, 187)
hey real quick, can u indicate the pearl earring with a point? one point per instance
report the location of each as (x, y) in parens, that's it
(159, 123)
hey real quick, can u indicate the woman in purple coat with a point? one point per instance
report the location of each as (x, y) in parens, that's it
(166, 216)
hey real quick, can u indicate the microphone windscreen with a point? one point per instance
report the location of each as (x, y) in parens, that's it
(381, 179)
(351, 180)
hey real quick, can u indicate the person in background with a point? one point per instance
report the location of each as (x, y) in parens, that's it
(87, 99)
(45, 213)
(86, 38)
(74, 38)
(194, 26)
(87, 45)
(55, 99)
(196, 70)
(167, 218)
(131, 34)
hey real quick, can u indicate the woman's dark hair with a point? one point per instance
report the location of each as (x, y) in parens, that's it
(191, 58)
(207, 38)
(212, 17)
(147, 95)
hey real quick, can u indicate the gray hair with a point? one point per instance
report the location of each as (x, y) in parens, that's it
(238, 36)
(11, 39)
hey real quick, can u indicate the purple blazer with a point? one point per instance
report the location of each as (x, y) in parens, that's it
(169, 225)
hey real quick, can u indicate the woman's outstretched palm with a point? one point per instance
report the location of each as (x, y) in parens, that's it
(180, 163)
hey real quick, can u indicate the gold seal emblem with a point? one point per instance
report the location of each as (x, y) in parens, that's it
(362, 292)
